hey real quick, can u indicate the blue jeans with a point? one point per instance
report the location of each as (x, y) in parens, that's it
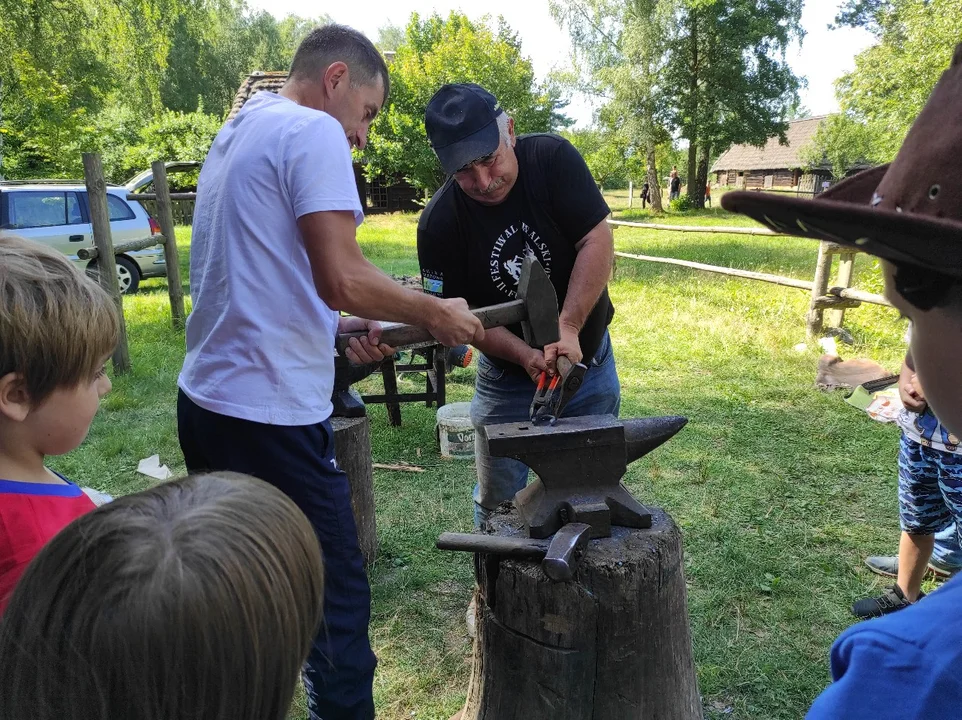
(502, 396)
(947, 550)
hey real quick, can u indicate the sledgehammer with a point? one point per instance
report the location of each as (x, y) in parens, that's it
(536, 308)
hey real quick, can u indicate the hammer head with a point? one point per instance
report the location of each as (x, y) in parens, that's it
(541, 303)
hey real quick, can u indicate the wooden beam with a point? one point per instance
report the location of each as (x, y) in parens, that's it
(106, 266)
(860, 295)
(153, 196)
(175, 290)
(846, 293)
(834, 302)
(129, 246)
(698, 228)
(734, 272)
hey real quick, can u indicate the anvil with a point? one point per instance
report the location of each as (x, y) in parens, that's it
(579, 462)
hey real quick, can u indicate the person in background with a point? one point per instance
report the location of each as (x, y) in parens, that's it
(674, 184)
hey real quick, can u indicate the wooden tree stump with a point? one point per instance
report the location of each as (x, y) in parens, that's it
(614, 644)
(352, 449)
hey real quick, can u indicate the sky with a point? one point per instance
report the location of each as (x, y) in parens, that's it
(823, 56)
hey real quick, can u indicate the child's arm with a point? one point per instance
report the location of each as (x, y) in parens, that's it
(909, 388)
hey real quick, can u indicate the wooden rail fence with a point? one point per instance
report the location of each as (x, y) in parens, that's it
(105, 250)
(835, 298)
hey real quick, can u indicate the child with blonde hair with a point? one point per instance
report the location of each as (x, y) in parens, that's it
(57, 329)
(198, 598)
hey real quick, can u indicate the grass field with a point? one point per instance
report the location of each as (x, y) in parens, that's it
(780, 489)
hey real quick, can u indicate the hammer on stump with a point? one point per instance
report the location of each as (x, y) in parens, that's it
(536, 308)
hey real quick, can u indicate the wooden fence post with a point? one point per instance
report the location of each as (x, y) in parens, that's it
(631, 193)
(166, 219)
(846, 266)
(819, 289)
(106, 265)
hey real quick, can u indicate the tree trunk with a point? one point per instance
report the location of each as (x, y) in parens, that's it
(654, 191)
(352, 450)
(613, 644)
(694, 99)
(1, 123)
(696, 185)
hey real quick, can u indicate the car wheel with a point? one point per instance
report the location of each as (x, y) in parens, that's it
(128, 275)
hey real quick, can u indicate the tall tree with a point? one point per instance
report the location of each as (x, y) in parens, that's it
(605, 156)
(727, 80)
(439, 50)
(389, 38)
(621, 46)
(211, 51)
(893, 78)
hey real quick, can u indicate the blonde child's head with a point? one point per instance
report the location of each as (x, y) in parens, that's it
(198, 598)
(57, 329)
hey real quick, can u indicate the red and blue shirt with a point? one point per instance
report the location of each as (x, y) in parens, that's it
(30, 515)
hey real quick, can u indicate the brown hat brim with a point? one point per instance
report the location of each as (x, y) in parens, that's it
(902, 238)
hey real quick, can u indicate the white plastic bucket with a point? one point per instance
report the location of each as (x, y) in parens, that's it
(455, 431)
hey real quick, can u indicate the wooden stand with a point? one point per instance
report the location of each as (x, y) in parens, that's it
(434, 390)
(614, 644)
(352, 449)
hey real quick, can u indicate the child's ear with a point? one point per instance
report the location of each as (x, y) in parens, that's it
(14, 398)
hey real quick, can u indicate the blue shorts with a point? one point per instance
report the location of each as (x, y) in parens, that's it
(930, 488)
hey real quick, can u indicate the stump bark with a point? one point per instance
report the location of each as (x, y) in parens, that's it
(613, 644)
(352, 449)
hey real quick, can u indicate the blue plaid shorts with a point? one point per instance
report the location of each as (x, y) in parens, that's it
(930, 488)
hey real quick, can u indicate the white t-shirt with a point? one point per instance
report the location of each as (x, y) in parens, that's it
(260, 342)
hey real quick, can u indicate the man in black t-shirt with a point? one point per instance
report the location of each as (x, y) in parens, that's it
(508, 197)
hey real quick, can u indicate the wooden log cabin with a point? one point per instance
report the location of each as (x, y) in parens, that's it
(774, 166)
(380, 194)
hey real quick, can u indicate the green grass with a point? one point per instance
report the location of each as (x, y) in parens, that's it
(780, 489)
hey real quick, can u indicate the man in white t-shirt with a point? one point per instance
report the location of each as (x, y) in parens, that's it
(274, 258)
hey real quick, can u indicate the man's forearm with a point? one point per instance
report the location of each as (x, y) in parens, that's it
(504, 344)
(588, 277)
(367, 292)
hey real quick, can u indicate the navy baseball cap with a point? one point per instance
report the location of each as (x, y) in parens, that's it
(461, 124)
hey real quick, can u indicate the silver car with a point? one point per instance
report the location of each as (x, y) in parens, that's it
(56, 214)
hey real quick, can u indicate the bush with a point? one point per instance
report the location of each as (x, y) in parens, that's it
(172, 136)
(681, 204)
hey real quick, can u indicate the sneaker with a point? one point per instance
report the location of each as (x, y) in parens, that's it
(888, 566)
(891, 600)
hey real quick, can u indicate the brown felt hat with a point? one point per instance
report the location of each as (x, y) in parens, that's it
(908, 212)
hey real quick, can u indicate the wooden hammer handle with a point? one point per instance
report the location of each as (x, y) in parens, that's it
(401, 336)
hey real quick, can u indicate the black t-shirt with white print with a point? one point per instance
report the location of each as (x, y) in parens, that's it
(475, 251)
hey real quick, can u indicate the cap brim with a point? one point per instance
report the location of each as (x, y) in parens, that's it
(455, 156)
(902, 238)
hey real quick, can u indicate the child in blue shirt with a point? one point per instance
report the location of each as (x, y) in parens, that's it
(907, 664)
